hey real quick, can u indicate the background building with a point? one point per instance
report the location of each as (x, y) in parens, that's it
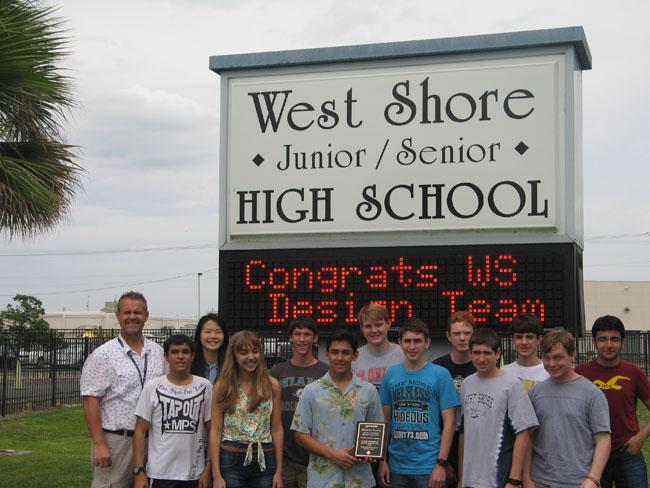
(94, 320)
(628, 300)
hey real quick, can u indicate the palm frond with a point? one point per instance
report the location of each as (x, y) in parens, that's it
(38, 181)
(38, 175)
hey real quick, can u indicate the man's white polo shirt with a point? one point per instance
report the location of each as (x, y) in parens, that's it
(116, 374)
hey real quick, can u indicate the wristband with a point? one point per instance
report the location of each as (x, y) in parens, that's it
(513, 482)
(442, 462)
(593, 480)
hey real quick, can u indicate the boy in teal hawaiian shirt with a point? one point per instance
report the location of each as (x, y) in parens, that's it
(326, 417)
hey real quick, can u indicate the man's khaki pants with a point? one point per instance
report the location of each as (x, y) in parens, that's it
(118, 475)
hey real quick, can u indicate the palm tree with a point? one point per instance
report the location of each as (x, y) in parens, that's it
(38, 174)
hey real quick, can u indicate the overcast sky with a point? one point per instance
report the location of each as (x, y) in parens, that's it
(148, 126)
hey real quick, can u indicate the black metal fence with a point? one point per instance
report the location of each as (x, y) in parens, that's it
(43, 370)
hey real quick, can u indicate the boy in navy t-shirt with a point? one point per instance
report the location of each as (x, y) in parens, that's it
(415, 396)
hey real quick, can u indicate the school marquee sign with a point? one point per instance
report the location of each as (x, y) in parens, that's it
(464, 141)
(414, 143)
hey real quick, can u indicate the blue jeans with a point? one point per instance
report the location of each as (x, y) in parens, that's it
(236, 475)
(174, 484)
(625, 470)
(409, 480)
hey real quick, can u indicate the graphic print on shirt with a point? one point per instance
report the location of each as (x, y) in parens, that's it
(612, 383)
(478, 404)
(528, 384)
(372, 375)
(411, 414)
(180, 415)
(458, 380)
(297, 384)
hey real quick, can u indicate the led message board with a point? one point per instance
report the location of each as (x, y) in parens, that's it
(428, 176)
(265, 289)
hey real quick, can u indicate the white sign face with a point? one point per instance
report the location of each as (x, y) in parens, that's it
(463, 145)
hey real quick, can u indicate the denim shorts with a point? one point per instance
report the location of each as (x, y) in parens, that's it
(236, 475)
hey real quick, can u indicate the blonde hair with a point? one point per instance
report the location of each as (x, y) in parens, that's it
(373, 311)
(226, 390)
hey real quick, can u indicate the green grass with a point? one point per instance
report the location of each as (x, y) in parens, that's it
(643, 415)
(60, 446)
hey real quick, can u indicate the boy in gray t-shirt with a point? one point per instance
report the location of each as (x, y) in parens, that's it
(496, 417)
(571, 445)
(379, 353)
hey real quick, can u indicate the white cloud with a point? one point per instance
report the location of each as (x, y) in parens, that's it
(149, 123)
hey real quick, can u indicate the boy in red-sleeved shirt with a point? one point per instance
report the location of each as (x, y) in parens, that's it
(622, 383)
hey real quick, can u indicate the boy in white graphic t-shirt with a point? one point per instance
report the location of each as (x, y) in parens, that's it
(175, 410)
(527, 334)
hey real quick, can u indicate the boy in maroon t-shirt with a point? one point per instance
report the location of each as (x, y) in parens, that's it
(622, 383)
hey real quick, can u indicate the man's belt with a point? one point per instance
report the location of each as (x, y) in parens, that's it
(123, 432)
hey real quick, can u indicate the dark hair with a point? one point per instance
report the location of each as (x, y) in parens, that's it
(414, 325)
(461, 316)
(198, 365)
(558, 335)
(527, 324)
(485, 337)
(177, 340)
(304, 322)
(343, 335)
(132, 295)
(608, 322)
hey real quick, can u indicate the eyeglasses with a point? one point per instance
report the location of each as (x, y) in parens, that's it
(613, 340)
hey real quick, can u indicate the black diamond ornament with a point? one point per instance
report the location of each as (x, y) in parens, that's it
(521, 148)
(258, 159)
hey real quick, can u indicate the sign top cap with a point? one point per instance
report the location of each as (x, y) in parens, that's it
(427, 47)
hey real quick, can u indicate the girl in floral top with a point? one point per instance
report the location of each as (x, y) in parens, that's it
(246, 436)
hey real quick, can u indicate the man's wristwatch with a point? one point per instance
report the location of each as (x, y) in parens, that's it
(514, 482)
(442, 462)
(137, 470)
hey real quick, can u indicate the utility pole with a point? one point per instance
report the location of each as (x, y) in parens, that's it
(198, 310)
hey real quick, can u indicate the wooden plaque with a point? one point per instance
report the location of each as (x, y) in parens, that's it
(371, 440)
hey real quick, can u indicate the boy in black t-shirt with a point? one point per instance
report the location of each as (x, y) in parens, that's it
(458, 362)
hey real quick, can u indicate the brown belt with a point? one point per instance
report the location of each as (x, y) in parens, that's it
(229, 448)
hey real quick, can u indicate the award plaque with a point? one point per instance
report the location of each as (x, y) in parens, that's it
(371, 440)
